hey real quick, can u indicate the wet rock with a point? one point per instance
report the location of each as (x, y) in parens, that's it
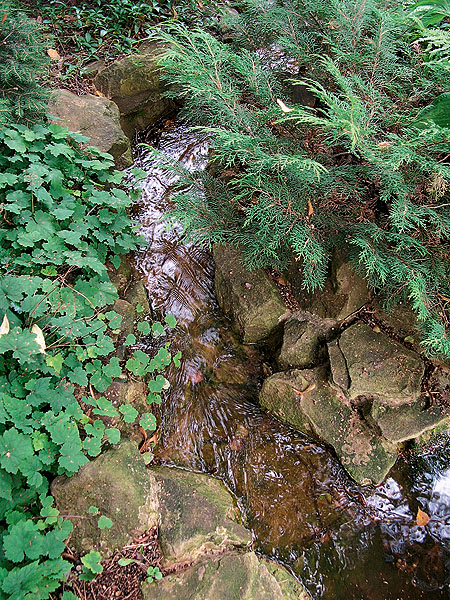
(365, 456)
(197, 516)
(249, 298)
(95, 117)
(380, 367)
(281, 395)
(344, 292)
(133, 83)
(409, 421)
(230, 577)
(301, 345)
(118, 483)
(339, 372)
(128, 313)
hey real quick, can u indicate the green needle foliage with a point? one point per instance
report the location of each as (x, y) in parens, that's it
(23, 59)
(360, 165)
(63, 215)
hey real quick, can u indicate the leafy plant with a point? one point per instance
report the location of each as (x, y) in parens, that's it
(23, 61)
(153, 574)
(358, 168)
(63, 214)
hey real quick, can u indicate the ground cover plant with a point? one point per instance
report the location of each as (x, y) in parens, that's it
(330, 124)
(63, 215)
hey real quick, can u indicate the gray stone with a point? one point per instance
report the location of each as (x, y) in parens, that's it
(122, 488)
(380, 367)
(249, 298)
(95, 117)
(339, 372)
(281, 394)
(301, 345)
(229, 577)
(197, 516)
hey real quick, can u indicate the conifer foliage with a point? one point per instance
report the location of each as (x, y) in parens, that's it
(321, 115)
(22, 59)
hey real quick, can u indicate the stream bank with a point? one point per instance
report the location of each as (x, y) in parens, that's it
(301, 505)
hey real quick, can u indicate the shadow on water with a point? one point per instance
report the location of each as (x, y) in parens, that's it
(342, 541)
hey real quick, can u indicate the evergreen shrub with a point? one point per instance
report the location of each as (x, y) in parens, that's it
(324, 121)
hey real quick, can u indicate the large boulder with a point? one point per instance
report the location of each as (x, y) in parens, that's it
(133, 83)
(118, 483)
(96, 118)
(380, 367)
(197, 516)
(249, 298)
(230, 577)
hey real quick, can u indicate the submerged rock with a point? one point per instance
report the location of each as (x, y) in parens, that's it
(197, 516)
(249, 298)
(380, 367)
(118, 483)
(98, 119)
(229, 577)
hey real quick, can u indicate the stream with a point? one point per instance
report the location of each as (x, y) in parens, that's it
(342, 541)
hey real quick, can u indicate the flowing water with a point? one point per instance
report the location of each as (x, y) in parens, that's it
(342, 541)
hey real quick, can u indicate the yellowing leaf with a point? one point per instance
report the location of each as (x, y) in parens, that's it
(283, 106)
(4, 327)
(39, 337)
(422, 518)
(54, 55)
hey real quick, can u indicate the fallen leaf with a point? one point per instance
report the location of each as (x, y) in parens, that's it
(4, 327)
(97, 93)
(283, 106)
(422, 518)
(54, 55)
(39, 337)
(310, 208)
(3, 18)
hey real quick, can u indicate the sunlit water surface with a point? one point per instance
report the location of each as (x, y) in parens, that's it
(342, 541)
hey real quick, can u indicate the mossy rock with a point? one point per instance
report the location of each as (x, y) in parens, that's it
(281, 396)
(96, 118)
(301, 345)
(380, 367)
(250, 298)
(120, 485)
(229, 577)
(136, 295)
(197, 516)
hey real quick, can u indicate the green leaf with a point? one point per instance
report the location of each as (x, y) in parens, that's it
(113, 369)
(55, 361)
(15, 448)
(171, 321)
(123, 562)
(139, 308)
(176, 359)
(129, 413)
(130, 341)
(115, 261)
(144, 327)
(113, 435)
(157, 329)
(104, 522)
(69, 596)
(148, 422)
(438, 112)
(93, 510)
(23, 539)
(92, 561)
(148, 457)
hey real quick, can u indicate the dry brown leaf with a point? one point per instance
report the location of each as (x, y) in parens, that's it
(3, 18)
(310, 208)
(40, 340)
(54, 55)
(422, 518)
(97, 93)
(4, 327)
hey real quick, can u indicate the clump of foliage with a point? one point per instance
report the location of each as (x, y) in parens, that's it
(63, 214)
(362, 165)
(23, 60)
